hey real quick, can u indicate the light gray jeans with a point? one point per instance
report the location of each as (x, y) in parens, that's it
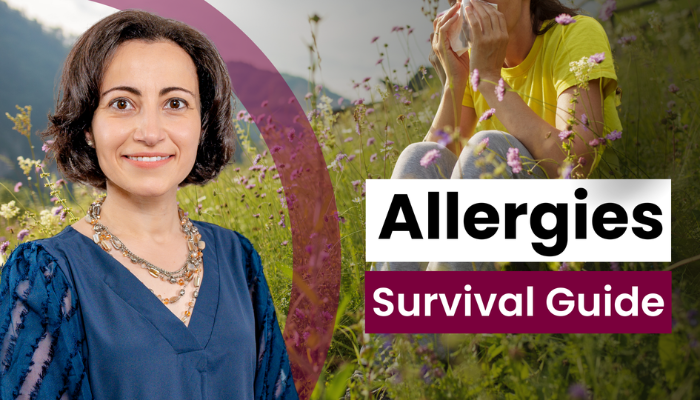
(466, 166)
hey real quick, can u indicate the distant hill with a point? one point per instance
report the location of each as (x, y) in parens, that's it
(30, 62)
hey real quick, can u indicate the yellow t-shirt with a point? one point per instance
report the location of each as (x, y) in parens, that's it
(545, 73)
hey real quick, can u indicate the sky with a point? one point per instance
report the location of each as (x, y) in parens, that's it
(282, 31)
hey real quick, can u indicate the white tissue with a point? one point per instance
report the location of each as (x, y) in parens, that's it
(460, 32)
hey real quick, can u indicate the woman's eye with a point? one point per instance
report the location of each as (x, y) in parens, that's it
(121, 104)
(176, 104)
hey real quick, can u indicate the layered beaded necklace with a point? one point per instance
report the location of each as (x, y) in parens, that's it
(190, 271)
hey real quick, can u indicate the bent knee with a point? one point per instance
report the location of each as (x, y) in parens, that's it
(495, 138)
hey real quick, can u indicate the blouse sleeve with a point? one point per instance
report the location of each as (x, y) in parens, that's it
(40, 333)
(273, 376)
(580, 40)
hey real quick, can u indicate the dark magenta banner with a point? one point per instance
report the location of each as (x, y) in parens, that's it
(518, 302)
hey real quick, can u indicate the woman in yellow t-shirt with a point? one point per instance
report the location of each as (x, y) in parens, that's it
(526, 46)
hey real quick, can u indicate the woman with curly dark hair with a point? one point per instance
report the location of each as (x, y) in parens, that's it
(137, 301)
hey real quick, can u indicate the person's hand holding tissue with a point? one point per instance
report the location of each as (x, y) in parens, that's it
(489, 39)
(456, 66)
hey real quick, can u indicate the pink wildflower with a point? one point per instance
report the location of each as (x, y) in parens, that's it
(370, 141)
(514, 162)
(673, 88)
(430, 157)
(349, 139)
(351, 157)
(340, 101)
(18, 186)
(374, 39)
(581, 161)
(4, 246)
(500, 89)
(564, 19)
(606, 11)
(380, 61)
(563, 135)
(487, 114)
(475, 79)
(373, 157)
(597, 58)
(307, 96)
(369, 111)
(264, 103)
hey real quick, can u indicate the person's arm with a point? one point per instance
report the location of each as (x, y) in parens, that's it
(450, 111)
(41, 330)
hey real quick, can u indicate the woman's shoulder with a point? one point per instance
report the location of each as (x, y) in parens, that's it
(219, 233)
(584, 26)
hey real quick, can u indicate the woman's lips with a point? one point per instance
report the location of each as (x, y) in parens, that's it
(148, 162)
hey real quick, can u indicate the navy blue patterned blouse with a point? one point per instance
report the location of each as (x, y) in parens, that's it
(76, 324)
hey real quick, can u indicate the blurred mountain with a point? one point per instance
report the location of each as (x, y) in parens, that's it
(30, 60)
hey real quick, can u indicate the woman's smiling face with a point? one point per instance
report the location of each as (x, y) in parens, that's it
(147, 126)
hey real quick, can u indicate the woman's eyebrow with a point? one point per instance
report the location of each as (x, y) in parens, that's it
(167, 90)
(124, 88)
(135, 91)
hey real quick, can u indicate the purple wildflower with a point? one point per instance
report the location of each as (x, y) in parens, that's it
(3, 247)
(373, 157)
(584, 121)
(374, 39)
(614, 135)
(250, 186)
(487, 114)
(60, 182)
(340, 156)
(351, 157)
(429, 158)
(264, 103)
(307, 96)
(564, 19)
(369, 111)
(444, 137)
(257, 159)
(18, 186)
(564, 267)
(597, 58)
(513, 157)
(284, 243)
(673, 88)
(57, 210)
(500, 89)
(563, 135)
(22, 234)
(577, 391)
(606, 11)
(388, 143)
(475, 79)
(615, 266)
(241, 115)
(46, 146)
(581, 161)
(380, 61)
(626, 40)
(349, 139)
(370, 141)
(566, 173)
(340, 101)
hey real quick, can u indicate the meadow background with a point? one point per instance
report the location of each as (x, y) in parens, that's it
(656, 47)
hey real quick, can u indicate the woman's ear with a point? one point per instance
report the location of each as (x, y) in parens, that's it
(88, 139)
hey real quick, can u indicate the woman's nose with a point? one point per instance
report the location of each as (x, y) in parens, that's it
(150, 129)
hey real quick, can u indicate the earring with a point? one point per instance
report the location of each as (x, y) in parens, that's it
(89, 143)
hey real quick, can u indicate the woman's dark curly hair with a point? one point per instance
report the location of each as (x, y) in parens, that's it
(79, 94)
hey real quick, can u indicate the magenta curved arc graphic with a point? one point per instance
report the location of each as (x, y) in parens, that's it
(302, 168)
